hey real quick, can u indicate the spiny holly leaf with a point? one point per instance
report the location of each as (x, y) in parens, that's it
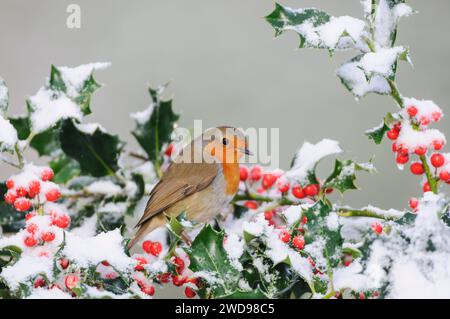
(84, 97)
(377, 133)
(284, 18)
(207, 254)
(154, 126)
(96, 151)
(344, 175)
(22, 126)
(65, 168)
(56, 81)
(4, 97)
(47, 142)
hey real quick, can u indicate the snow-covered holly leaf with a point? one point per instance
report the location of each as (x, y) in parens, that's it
(155, 124)
(208, 255)
(4, 97)
(22, 126)
(8, 135)
(96, 151)
(344, 174)
(316, 28)
(305, 161)
(65, 168)
(377, 133)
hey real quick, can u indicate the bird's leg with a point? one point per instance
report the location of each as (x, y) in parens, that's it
(186, 238)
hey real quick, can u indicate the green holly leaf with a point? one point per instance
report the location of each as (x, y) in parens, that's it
(47, 142)
(207, 254)
(95, 150)
(154, 126)
(64, 168)
(377, 133)
(4, 97)
(56, 81)
(85, 94)
(344, 175)
(22, 126)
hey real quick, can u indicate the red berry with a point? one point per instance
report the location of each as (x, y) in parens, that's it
(155, 248)
(402, 159)
(413, 203)
(297, 191)
(251, 205)
(169, 150)
(9, 184)
(394, 147)
(47, 174)
(397, 126)
(437, 160)
(148, 290)
(193, 281)
(403, 150)
(424, 120)
(284, 187)
(268, 215)
(256, 172)
(178, 280)
(21, 191)
(420, 150)
(304, 220)
(436, 116)
(329, 190)
(412, 111)
(348, 260)
(30, 241)
(32, 228)
(39, 282)
(392, 134)
(179, 263)
(299, 242)
(30, 215)
(48, 236)
(34, 188)
(164, 278)
(417, 168)
(53, 195)
(268, 180)
(438, 144)
(444, 176)
(311, 190)
(71, 281)
(377, 228)
(284, 236)
(426, 187)
(243, 173)
(10, 198)
(64, 263)
(189, 292)
(105, 263)
(146, 246)
(141, 263)
(62, 221)
(22, 204)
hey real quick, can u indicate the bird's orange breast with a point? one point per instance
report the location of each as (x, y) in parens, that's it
(232, 177)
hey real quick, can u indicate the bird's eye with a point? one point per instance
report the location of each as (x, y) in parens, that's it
(225, 141)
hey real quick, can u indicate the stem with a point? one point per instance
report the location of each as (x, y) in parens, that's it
(138, 156)
(343, 212)
(249, 196)
(395, 93)
(431, 180)
(8, 161)
(19, 155)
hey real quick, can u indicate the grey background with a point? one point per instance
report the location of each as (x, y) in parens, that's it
(226, 69)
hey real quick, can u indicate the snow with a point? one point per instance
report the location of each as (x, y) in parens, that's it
(75, 77)
(90, 128)
(402, 10)
(8, 135)
(91, 251)
(332, 221)
(292, 214)
(381, 62)
(105, 188)
(143, 116)
(331, 32)
(4, 96)
(425, 108)
(384, 23)
(350, 277)
(411, 138)
(87, 229)
(234, 246)
(390, 213)
(26, 268)
(355, 79)
(308, 156)
(49, 107)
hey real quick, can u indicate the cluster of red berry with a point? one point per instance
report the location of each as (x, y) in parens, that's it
(179, 278)
(27, 186)
(419, 122)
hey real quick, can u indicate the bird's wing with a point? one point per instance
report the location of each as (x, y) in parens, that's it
(180, 181)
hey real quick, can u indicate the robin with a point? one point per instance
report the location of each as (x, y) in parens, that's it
(201, 181)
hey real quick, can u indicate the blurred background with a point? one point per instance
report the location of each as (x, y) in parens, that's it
(226, 68)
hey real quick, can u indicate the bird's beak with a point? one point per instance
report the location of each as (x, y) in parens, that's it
(245, 150)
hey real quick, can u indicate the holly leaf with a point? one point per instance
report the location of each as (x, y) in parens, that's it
(207, 254)
(22, 126)
(344, 175)
(4, 97)
(64, 168)
(377, 133)
(47, 142)
(96, 151)
(154, 125)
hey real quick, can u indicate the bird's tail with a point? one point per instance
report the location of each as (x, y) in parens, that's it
(147, 227)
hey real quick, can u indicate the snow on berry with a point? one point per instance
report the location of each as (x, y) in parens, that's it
(422, 109)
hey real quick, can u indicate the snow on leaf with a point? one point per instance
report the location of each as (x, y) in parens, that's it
(8, 135)
(309, 155)
(4, 97)
(344, 174)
